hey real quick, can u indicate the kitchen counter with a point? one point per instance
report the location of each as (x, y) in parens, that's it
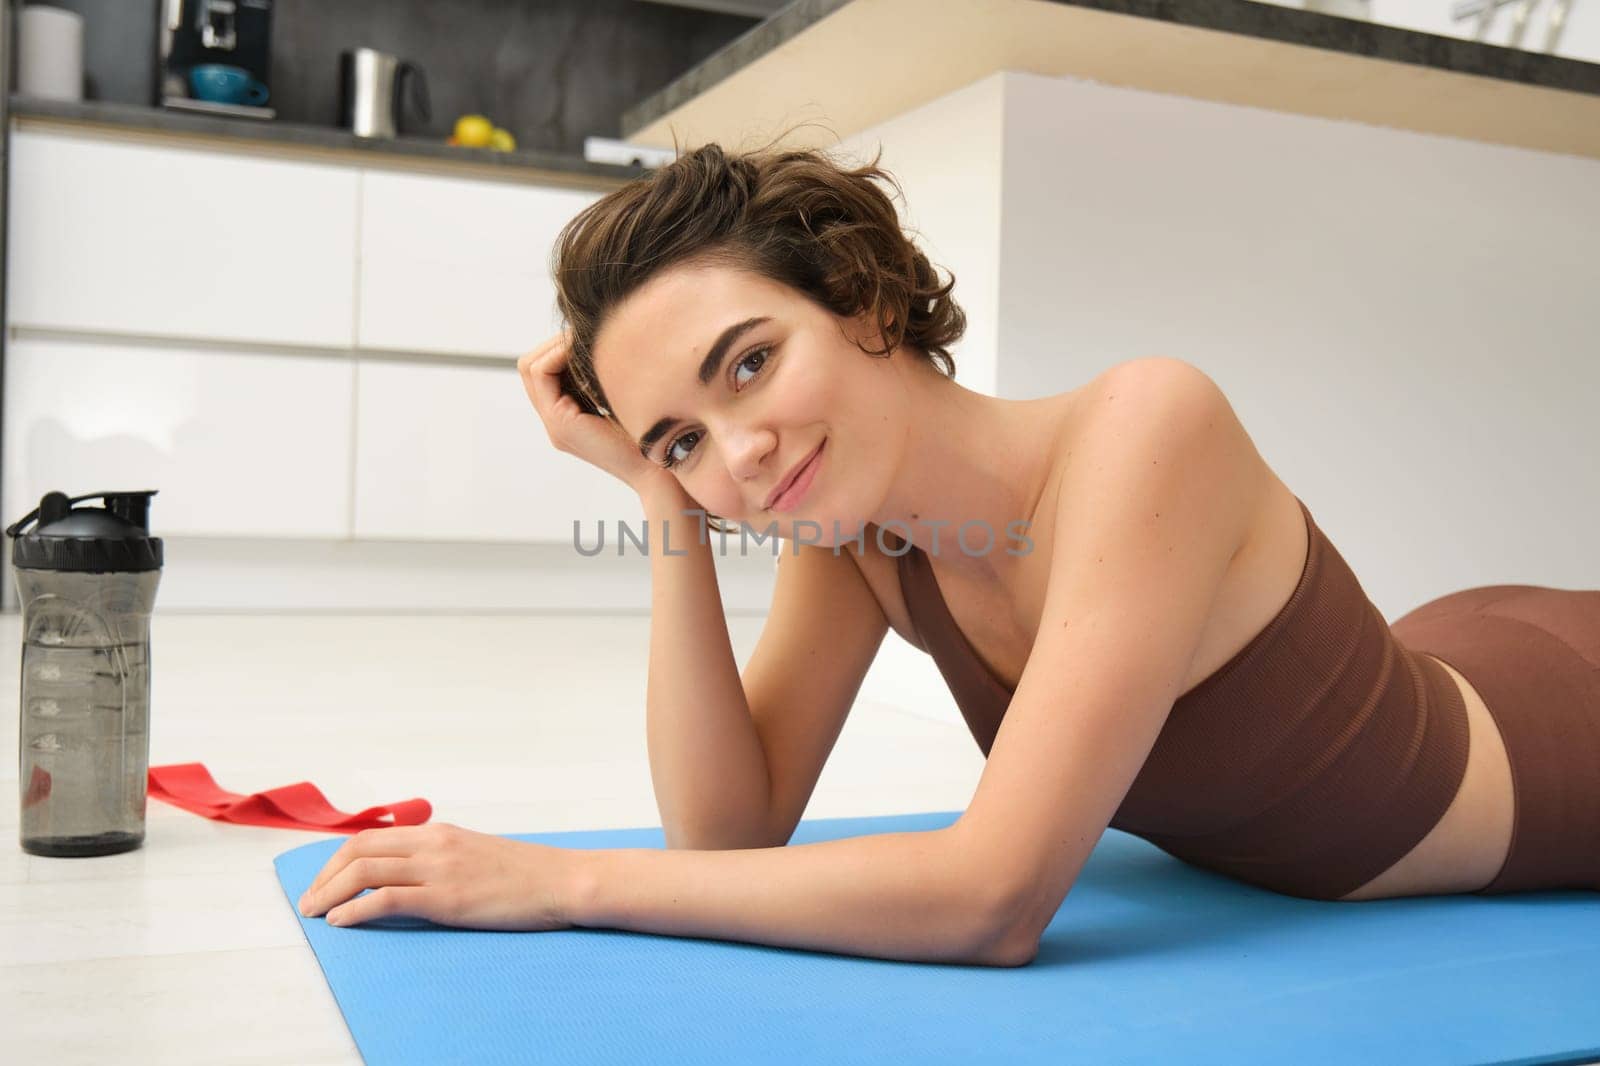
(848, 65)
(412, 153)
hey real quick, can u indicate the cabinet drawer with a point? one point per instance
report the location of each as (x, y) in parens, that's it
(180, 242)
(455, 265)
(237, 445)
(458, 453)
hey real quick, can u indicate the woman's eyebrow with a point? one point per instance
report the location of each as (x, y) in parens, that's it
(709, 366)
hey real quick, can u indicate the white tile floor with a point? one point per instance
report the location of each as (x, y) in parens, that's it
(186, 950)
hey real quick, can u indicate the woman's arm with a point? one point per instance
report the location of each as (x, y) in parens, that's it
(707, 763)
(919, 896)
(706, 760)
(932, 896)
(1153, 507)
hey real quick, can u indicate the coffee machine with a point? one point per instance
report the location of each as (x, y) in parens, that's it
(229, 33)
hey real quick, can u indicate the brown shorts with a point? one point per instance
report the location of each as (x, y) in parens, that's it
(1533, 654)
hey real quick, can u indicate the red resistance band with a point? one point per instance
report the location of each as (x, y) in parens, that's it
(298, 806)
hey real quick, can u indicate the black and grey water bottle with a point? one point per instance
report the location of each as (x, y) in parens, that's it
(86, 578)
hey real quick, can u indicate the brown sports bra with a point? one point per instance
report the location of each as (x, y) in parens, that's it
(1309, 763)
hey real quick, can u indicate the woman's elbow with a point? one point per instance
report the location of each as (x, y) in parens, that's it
(1011, 946)
(1009, 929)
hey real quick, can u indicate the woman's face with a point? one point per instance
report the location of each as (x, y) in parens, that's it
(785, 377)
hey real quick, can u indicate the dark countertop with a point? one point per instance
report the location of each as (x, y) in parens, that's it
(843, 63)
(524, 165)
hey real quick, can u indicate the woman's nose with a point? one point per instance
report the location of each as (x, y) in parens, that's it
(746, 450)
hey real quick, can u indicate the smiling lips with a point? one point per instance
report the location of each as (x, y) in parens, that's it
(794, 486)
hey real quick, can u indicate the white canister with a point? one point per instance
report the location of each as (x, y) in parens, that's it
(50, 52)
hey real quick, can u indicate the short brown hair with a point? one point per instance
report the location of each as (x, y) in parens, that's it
(793, 216)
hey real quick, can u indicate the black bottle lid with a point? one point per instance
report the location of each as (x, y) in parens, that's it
(114, 538)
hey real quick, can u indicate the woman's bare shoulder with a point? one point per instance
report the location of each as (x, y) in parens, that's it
(1158, 405)
(1138, 401)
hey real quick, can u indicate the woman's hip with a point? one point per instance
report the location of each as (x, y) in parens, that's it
(1533, 654)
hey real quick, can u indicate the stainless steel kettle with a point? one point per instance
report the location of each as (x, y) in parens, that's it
(370, 88)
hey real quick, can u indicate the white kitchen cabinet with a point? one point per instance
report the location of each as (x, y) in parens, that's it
(237, 445)
(454, 265)
(168, 241)
(459, 453)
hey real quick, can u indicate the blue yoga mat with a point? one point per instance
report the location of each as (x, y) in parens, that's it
(1148, 960)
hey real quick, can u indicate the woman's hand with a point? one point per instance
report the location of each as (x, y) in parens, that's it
(574, 430)
(448, 875)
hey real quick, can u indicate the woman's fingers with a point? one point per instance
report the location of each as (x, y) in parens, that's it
(385, 902)
(360, 874)
(569, 425)
(383, 841)
(549, 344)
(541, 371)
(549, 348)
(541, 377)
(387, 841)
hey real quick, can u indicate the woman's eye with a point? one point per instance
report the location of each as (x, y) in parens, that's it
(672, 457)
(762, 362)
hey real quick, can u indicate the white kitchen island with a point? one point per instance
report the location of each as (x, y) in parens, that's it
(1381, 243)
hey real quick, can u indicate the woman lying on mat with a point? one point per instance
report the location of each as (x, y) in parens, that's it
(1142, 625)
